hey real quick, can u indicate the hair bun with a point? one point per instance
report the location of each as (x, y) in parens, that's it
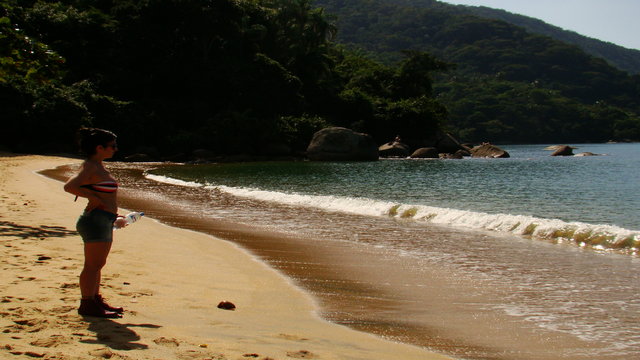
(85, 131)
(88, 138)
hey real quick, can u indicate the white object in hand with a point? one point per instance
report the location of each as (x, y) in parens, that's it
(131, 217)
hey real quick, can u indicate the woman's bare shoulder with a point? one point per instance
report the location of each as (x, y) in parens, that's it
(88, 169)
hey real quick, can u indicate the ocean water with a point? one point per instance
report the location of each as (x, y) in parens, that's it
(591, 200)
(530, 257)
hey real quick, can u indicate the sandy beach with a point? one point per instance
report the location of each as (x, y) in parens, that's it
(169, 280)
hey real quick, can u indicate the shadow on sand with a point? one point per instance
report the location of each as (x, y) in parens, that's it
(115, 335)
(25, 231)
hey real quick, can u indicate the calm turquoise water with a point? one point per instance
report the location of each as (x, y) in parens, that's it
(593, 200)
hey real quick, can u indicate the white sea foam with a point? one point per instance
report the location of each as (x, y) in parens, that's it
(352, 205)
(172, 181)
(598, 236)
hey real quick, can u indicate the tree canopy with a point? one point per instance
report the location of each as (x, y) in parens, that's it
(178, 75)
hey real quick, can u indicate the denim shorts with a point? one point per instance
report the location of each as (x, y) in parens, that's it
(96, 226)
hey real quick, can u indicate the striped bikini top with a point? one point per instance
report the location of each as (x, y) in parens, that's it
(103, 186)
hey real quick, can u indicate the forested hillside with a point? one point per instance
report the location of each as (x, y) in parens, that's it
(618, 56)
(171, 76)
(623, 58)
(509, 85)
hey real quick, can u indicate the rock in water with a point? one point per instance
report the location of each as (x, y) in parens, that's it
(394, 149)
(488, 151)
(563, 150)
(341, 144)
(425, 153)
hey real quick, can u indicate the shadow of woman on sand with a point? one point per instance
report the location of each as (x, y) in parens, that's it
(115, 335)
(25, 231)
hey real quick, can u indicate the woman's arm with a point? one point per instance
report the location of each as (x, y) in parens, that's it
(84, 176)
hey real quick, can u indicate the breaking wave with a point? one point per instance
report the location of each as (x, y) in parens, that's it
(601, 237)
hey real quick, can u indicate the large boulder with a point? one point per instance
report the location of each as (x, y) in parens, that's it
(488, 151)
(394, 149)
(444, 142)
(425, 153)
(563, 150)
(340, 144)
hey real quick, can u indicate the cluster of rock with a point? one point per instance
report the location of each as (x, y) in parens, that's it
(566, 150)
(341, 144)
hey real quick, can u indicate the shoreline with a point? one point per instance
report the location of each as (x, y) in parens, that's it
(170, 312)
(433, 305)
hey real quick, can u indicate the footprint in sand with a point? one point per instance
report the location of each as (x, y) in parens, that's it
(32, 354)
(292, 337)
(302, 354)
(197, 355)
(71, 321)
(31, 325)
(58, 356)
(37, 300)
(167, 341)
(63, 309)
(69, 286)
(22, 311)
(106, 353)
(52, 341)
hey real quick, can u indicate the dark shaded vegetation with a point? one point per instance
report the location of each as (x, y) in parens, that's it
(172, 76)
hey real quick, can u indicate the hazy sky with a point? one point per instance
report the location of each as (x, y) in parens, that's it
(615, 21)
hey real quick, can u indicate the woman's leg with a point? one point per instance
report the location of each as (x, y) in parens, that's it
(95, 257)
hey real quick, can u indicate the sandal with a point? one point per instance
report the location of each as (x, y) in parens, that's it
(89, 307)
(100, 300)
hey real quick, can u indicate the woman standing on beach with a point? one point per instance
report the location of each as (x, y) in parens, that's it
(95, 225)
